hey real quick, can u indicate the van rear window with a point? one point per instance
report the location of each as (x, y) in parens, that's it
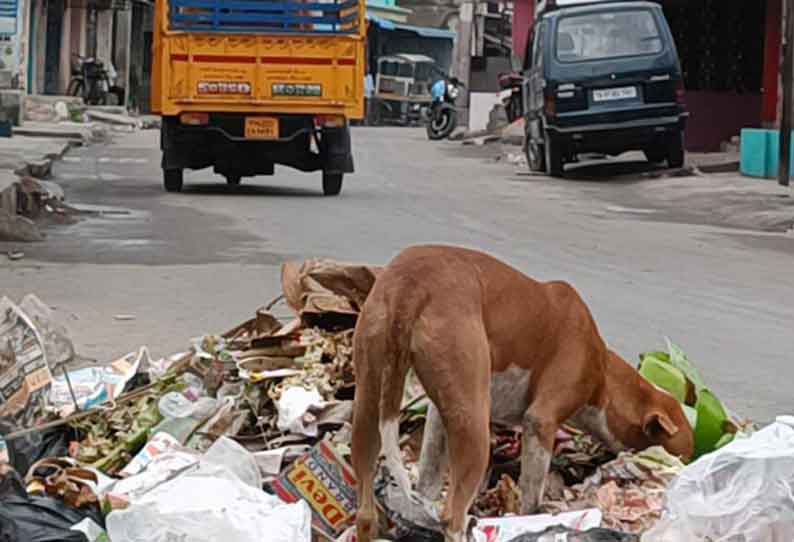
(596, 36)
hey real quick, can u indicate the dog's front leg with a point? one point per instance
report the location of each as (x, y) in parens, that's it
(433, 459)
(536, 442)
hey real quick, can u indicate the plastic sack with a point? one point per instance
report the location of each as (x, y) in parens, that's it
(217, 499)
(38, 519)
(742, 492)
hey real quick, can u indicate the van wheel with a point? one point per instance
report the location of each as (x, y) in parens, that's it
(655, 155)
(172, 180)
(554, 157)
(536, 156)
(675, 150)
(332, 183)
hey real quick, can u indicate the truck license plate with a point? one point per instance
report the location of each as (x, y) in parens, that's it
(261, 128)
(609, 94)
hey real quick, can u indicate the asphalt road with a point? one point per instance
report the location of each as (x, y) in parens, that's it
(204, 260)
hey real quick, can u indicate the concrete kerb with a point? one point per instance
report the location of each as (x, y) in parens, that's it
(31, 156)
(12, 226)
(22, 157)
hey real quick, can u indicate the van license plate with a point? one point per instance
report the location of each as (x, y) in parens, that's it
(609, 94)
(261, 128)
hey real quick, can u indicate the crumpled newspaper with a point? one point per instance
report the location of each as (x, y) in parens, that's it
(629, 490)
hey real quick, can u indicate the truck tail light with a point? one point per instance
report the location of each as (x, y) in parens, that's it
(329, 121)
(194, 119)
(550, 105)
(680, 93)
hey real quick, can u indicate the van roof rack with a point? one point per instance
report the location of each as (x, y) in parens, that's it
(550, 5)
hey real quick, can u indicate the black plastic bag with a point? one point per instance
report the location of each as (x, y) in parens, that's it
(564, 534)
(413, 517)
(26, 450)
(26, 518)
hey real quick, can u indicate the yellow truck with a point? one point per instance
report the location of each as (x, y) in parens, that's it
(242, 85)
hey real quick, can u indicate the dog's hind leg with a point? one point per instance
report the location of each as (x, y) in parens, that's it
(366, 440)
(380, 354)
(455, 358)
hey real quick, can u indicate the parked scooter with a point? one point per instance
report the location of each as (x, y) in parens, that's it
(442, 117)
(512, 102)
(92, 81)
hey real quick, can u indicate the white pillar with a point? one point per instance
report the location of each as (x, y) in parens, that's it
(123, 40)
(104, 32)
(64, 72)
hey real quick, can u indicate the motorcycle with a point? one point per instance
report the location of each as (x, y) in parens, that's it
(93, 82)
(442, 117)
(512, 102)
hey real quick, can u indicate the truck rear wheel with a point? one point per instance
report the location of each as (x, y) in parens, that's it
(332, 183)
(554, 157)
(675, 150)
(536, 155)
(172, 180)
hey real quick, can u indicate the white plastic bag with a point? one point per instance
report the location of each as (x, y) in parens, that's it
(293, 411)
(507, 528)
(217, 499)
(743, 492)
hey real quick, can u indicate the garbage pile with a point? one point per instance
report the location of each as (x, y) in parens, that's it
(249, 431)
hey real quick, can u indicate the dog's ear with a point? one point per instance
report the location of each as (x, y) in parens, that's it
(657, 423)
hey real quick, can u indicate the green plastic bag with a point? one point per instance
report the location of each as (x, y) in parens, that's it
(673, 372)
(665, 376)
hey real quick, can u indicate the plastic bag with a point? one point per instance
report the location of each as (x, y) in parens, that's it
(564, 534)
(23, 451)
(293, 408)
(510, 528)
(227, 453)
(217, 499)
(38, 519)
(742, 492)
(414, 517)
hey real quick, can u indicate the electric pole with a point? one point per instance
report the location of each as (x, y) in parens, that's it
(463, 52)
(788, 96)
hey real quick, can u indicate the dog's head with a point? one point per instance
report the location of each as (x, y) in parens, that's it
(641, 415)
(666, 424)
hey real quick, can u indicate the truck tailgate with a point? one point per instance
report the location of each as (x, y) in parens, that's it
(279, 73)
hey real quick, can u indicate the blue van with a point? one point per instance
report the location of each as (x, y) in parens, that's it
(603, 77)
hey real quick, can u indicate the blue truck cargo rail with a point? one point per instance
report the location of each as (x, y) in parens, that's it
(338, 16)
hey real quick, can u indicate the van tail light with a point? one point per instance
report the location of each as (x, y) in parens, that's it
(550, 105)
(194, 119)
(680, 93)
(329, 121)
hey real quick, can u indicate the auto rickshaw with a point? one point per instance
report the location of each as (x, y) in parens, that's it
(402, 88)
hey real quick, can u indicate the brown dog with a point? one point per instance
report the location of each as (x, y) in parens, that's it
(488, 342)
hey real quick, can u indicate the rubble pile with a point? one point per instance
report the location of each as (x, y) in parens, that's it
(249, 430)
(72, 112)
